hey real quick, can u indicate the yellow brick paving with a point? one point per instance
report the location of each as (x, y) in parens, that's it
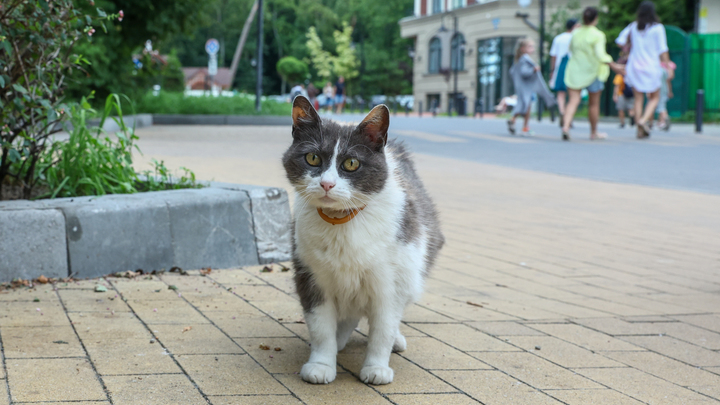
(550, 290)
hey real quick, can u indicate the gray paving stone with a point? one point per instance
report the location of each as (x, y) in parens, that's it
(272, 218)
(117, 233)
(211, 227)
(32, 243)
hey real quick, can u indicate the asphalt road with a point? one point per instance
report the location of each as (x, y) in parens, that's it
(678, 159)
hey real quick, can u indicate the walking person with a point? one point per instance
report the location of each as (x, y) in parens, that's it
(559, 56)
(666, 93)
(623, 97)
(329, 93)
(528, 81)
(339, 95)
(648, 57)
(587, 69)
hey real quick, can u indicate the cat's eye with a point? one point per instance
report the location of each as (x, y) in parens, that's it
(312, 159)
(351, 164)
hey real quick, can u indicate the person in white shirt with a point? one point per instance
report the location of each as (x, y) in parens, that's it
(559, 55)
(648, 57)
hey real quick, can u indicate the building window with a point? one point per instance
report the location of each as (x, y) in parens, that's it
(434, 55)
(457, 4)
(457, 49)
(437, 6)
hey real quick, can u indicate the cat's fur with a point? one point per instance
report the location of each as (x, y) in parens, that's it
(373, 266)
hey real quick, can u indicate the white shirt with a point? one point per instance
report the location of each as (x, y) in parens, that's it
(644, 72)
(560, 47)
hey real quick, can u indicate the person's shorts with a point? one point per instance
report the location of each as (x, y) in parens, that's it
(595, 86)
(624, 103)
(339, 99)
(662, 104)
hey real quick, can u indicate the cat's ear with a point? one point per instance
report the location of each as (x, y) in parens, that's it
(375, 126)
(303, 113)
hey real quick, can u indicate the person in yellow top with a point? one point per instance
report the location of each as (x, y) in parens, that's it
(587, 69)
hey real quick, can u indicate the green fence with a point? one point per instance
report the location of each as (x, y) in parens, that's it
(705, 67)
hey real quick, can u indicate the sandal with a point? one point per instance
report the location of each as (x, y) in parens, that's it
(511, 126)
(643, 131)
(565, 136)
(598, 136)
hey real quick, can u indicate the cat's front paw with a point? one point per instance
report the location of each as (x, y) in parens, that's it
(377, 375)
(316, 373)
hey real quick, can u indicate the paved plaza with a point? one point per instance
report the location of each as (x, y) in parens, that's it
(574, 273)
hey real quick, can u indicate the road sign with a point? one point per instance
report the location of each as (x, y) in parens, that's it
(212, 65)
(212, 46)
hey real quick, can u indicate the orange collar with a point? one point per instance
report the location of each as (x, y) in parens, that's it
(339, 221)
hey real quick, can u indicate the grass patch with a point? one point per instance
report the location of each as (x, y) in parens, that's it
(178, 103)
(91, 162)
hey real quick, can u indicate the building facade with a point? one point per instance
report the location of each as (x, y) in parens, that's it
(709, 16)
(471, 43)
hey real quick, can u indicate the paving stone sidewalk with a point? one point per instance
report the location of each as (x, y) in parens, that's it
(550, 290)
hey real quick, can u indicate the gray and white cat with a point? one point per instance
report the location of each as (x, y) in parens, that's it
(365, 234)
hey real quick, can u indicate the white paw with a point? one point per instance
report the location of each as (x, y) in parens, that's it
(377, 375)
(400, 344)
(317, 373)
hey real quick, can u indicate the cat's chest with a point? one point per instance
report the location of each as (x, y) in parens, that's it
(361, 244)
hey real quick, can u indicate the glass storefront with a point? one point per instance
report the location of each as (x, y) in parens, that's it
(495, 56)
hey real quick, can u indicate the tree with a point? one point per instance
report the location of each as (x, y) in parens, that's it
(321, 59)
(619, 13)
(343, 63)
(110, 67)
(38, 52)
(292, 69)
(558, 19)
(346, 62)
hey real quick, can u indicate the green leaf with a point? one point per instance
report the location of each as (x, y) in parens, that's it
(7, 47)
(102, 24)
(101, 13)
(19, 88)
(14, 155)
(2, 81)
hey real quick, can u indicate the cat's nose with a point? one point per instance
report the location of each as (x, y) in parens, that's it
(327, 185)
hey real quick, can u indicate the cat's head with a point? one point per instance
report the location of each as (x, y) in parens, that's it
(335, 166)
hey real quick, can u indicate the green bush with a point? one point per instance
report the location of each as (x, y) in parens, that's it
(92, 163)
(292, 69)
(177, 103)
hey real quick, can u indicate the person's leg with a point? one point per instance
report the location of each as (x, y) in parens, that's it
(570, 109)
(621, 116)
(594, 112)
(638, 106)
(653, 99)
(526, 118)
(561, 102)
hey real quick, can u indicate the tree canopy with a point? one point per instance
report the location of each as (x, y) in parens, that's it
(383, 64)
(617, 14)
(292, 69)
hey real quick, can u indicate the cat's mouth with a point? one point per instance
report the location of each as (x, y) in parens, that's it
(327, 200)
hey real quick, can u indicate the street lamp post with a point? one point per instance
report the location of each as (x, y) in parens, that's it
(258, 88)
(541, 52)
(457, 62)
(456, 54)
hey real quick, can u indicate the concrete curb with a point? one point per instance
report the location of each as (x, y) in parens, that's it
(177, 119)
(221, 226)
